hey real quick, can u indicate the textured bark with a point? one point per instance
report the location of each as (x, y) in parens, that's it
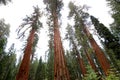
(99, 53)
(24, 67)
(60, 69)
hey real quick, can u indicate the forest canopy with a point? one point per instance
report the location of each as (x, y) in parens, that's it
(78, 45)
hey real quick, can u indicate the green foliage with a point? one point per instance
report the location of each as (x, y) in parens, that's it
(8, 65)
(78, 11)
(115, 12)
(53, 5)
(33, 69)
(73, 66)
(40, 73)
(11, 68)
(4, 33)
(50, 64)
(30, 22)
(50, 58)
(91, 75)
(112, 76)
(7, 59)
(110, 41)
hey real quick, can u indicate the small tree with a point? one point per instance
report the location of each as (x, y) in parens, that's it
(91, 75)
(112, 76)
(40, 73)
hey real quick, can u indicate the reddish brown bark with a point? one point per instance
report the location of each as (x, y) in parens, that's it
(99, 53)
(90, 61)
(81, 63)
(24, 67)
(80, 60)
(60, 69)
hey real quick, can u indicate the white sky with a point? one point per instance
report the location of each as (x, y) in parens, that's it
(14, 12)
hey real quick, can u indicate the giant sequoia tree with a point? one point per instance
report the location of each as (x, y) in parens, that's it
(109, 41)
(80, 17)
(60, 68)
(34, 25)
(70, 35)
(81, 36)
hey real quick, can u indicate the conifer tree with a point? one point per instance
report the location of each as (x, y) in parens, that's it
(73, 65)
(115, 13)
(70, 36)
(33, 69)
(10, 72)
(91, 75)
(80, 17)
(4, 56)
(40, 72)
(50, 61)
(4, 34)
(34, 24)
(60, 68)
(109, 41)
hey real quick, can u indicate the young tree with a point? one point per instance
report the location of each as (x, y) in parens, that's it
(112, 76)
(50, 60)
(60, 68)
(8, 65)
(40, 72)
(33, 69)
(91, 75)
(34, 25)
(10, 71)
(73, 65)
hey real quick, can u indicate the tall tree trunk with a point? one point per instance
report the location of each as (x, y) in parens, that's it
(80, 60)
(90, 61)
(99, 53)
(24, 67)
(60, 69)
